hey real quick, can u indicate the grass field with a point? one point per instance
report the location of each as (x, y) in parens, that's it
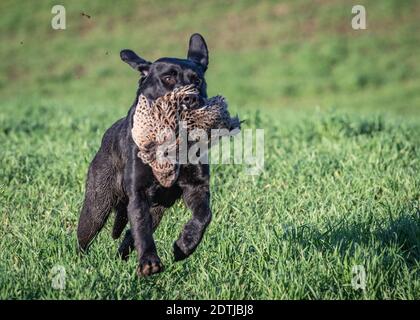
(341, 114)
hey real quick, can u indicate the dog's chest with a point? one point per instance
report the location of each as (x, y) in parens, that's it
(166, 197)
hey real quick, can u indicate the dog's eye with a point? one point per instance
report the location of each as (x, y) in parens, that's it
(196, 80)
(170, 80)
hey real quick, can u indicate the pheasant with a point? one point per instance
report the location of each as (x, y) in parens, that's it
(157, 124)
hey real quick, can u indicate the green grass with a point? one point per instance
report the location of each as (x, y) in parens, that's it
(341, 114)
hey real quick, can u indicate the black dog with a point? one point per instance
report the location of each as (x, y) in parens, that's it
(119, 180)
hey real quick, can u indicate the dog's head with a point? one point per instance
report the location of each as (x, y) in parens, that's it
(166, 74)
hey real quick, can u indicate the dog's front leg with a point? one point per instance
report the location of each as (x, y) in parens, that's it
(197, 198)
(138, 212)
(142, 231)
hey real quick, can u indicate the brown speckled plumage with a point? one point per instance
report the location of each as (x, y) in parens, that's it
(156, 124)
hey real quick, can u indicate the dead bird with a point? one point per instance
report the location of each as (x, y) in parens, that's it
(157, 124)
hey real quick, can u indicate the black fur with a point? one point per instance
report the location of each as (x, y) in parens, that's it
(117, 178)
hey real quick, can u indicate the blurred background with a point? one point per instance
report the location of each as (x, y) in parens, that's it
(265, 54)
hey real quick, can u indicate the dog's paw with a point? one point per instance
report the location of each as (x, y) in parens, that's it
(149, 265)
(178, 253)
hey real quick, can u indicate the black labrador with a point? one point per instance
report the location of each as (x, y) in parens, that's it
(118, 179)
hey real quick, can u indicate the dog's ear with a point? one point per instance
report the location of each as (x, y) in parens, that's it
(197, 50)
(135, 61)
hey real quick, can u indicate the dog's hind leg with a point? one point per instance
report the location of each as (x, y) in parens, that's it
(98, 202)
(157, 214)
(127, 245)
(121, 219)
